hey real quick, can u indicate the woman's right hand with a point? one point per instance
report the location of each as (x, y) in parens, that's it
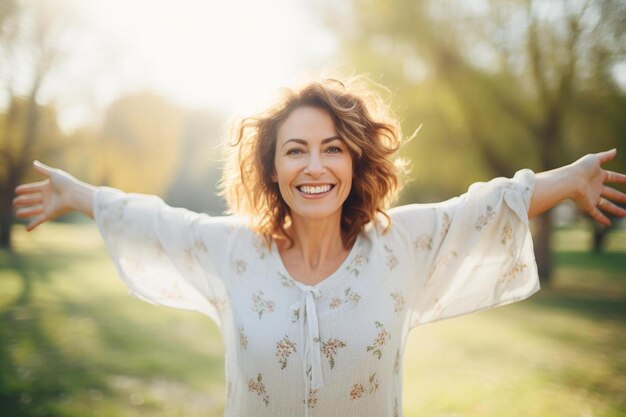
(46, 200)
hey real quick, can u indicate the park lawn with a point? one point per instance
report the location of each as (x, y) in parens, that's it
(74, 343)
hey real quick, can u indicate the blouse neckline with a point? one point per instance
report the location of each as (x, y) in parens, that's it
(278, 261)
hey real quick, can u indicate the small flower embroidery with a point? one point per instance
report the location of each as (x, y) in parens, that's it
(240, 266)
(484, 219)
(295, 315)
(311, 401)
(188, 252)
(423, 242)
(445, 224)
(517, 268)
(392, 260)
(284, 280)
(259, 246)
(373, 385)
(438, 308)
(335, 303)
(261, 304)
(398, 302)
(172, 293)
(358, 390)
(201, 246)
(258, 387)
(359, 259)
(243, 339)
(507, 233)
(220, 304)
(355, 264)
(350, 297)
(284, 349)
(330, 349)
(396, 362)
(380, 340)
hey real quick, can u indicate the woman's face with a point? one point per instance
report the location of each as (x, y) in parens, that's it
(313, 167)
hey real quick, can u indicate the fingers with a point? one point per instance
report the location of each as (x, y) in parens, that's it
(613, 194)
(607, 206)
(42, 168)
(615, 177)
(29, 211)
(27, 200)
(31, 187)
(598, 216)
(35, 222)
(607, 155)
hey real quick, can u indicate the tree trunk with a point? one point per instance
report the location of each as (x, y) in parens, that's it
(6, 220)
(543, 254)
(599, 234)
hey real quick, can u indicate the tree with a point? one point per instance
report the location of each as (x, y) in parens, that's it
(28, 52)
(508, 80)
(138, 147)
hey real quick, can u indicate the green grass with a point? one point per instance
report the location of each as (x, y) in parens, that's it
(73, 343)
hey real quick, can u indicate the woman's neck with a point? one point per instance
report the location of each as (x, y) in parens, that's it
(317, 250)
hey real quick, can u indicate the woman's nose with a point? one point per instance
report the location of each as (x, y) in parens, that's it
(315, 167)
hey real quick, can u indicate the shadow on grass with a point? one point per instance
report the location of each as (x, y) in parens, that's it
(610, 263)
(34, 374)
(145, 351)
(580, 302)
(122, 356)
(583, 291)
(599, 339)
(593, 289)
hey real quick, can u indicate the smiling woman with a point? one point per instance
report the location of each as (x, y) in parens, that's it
(323, 133)
(314, 282)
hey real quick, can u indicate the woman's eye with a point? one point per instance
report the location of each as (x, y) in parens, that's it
(333, 149)
(294, 151)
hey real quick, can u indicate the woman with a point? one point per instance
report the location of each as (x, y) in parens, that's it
(315, 285)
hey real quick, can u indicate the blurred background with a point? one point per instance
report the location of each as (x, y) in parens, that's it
(137, 94)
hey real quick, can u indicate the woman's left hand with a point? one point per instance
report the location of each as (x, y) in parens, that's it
(593, 196)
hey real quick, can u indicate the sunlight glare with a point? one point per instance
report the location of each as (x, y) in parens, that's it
(229, 55)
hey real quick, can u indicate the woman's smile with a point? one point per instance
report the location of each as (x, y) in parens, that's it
(315, 191)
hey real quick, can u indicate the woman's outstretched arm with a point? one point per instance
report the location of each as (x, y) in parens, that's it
(57, 194)
(582, 181)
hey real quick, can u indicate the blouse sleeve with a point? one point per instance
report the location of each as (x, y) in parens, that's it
(162, 253)
(472, 252)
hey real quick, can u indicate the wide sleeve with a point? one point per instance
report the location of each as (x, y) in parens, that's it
(469, 253)
(164, 255)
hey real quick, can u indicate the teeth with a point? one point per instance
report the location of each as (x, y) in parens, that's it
(314, 190)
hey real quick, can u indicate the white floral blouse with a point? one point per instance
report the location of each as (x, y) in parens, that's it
(335, 348)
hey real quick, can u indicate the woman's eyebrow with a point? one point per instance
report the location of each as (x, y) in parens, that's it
(304, 142)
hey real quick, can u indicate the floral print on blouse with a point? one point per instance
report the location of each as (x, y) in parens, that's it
(333, 349)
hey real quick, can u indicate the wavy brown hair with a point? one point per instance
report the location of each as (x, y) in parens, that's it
(363, 121)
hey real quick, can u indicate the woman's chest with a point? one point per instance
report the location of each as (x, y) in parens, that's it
(356, 318)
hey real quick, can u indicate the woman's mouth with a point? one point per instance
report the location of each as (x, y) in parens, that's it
(315, 190)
